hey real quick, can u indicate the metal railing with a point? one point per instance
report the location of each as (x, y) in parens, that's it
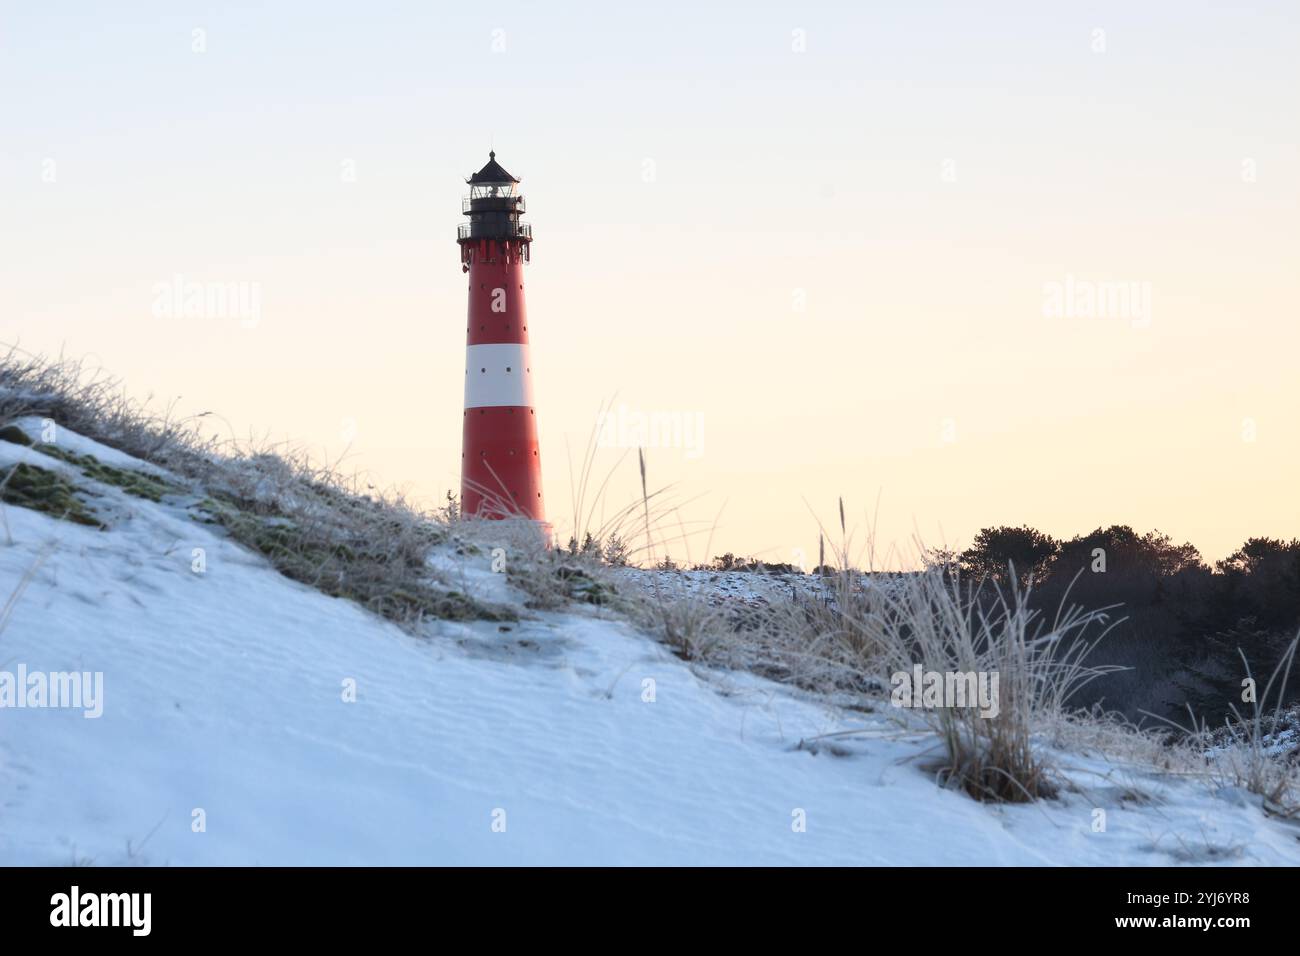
(519, 230)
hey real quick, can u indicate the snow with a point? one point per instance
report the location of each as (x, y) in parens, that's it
(224, 692)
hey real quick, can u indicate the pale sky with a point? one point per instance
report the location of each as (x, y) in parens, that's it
(827, 238)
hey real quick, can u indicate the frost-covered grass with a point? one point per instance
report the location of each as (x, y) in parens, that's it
(847, 645)
(314, 524)
(846, 635)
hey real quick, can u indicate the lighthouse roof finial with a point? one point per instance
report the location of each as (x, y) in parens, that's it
(492, 172)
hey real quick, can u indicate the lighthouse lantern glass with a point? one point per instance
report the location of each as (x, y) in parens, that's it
(492, 190)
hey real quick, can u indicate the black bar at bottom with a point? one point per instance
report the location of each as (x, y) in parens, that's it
(333, 906)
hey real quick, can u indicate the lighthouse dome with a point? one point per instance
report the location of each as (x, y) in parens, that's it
(493, 172)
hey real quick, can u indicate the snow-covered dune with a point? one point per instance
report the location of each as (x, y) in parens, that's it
(228, 734)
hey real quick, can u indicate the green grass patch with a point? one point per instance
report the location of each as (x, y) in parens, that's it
(406, 603)
(137, 483)
(14, 435)
(581, 586)
(362, 567)
(48, 492)
(551, 584)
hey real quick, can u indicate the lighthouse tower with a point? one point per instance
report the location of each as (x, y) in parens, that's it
(501, 470)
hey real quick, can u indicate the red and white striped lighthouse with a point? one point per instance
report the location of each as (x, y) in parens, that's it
(501, 469)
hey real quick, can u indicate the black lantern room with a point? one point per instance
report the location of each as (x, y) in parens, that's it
(493, 206)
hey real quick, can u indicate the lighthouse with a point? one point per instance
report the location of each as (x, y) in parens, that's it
(501, 469)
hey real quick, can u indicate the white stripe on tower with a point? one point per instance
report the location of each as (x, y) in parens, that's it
(498, 375)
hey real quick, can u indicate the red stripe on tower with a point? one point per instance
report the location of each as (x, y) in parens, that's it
(501, 469)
